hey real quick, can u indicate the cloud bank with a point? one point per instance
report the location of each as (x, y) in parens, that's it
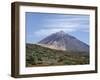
(67, 23)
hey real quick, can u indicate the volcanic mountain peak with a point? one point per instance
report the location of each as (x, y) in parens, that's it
(61, 32)
(63, 41)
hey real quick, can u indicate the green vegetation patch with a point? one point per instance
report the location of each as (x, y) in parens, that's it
(37, 55)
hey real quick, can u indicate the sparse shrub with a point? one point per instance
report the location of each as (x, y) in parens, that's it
(36, 54)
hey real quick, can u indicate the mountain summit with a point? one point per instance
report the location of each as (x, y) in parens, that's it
(63, 41)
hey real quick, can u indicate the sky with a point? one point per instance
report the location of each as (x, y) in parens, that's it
(40, 25)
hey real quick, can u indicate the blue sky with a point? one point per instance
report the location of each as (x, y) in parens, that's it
(40, 25)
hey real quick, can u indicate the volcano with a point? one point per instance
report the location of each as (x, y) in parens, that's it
(63, 41)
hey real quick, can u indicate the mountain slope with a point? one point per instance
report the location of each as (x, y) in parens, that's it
(37, 55)
(62, 41)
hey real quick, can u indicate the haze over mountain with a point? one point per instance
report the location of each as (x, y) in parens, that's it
(63, 41)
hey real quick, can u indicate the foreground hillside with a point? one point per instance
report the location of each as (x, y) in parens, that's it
(37, 55)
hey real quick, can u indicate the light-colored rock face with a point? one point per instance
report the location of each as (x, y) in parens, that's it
(53, 46)
(62, 41)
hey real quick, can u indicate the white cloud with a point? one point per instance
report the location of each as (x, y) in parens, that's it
(66, 19)
(60, 25)
(52, 25)
(46, 32)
